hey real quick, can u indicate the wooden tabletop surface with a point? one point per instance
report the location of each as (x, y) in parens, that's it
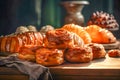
(104, 63)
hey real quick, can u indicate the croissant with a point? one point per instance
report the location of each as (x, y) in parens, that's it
(79, 31)
(100, 35)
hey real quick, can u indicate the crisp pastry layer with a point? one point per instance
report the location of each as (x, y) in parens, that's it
(49, 57)
(78, 54)
(13, 43)
(28, 52)
(98, 50)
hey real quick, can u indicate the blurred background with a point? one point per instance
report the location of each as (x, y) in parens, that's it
(15, 13)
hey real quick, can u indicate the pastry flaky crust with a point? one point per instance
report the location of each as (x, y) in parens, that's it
(27, 53)
(13, 43)
(10, 44)
(100, 35)
(98, 50)
(49, 57)
(78, 54)
(79, 31)
(62, 39)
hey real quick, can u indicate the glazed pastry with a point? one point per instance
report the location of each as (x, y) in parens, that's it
(10, 44)
(78, 54)
(100, 35)
(31, 38)
(49, 57)
(98, 50)
(13, 43)
(62, 39)
(114, 53)
(27, 52)
(58, 39)
(79, 31)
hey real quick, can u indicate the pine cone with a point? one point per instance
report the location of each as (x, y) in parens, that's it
(103, 20)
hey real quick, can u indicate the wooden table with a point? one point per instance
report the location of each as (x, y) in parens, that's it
(100, 69)
(12, 74)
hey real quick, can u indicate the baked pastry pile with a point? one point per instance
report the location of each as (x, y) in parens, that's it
(70, 43)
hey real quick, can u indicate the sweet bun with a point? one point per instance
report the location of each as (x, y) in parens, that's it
(46, 28)
(79, 31)
(49, 57)
(100, 35)
(78, 54)
(98, 50)
(114, 53)
(21, 29)
(32, 28)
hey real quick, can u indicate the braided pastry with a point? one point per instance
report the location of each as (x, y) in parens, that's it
(13, 43)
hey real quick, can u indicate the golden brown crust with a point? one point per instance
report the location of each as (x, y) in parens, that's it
(27, 52)
(79, 31)
(114, 53)
(31, 38)
(98, 50)
(13, 43)
(49, 57)
(58, 38)
(78, 54)
(3, 44)
(100, 35)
